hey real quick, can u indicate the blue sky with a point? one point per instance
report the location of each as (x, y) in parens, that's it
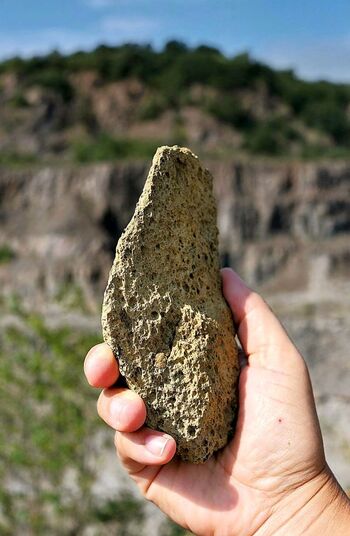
(312, 36)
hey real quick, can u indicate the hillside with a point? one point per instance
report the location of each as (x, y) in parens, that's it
(61, 225)
(120, 102)
(76, 136)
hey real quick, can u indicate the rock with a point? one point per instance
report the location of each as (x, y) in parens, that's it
(164, 314)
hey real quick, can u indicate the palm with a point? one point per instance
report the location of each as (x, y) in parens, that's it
(238, 486)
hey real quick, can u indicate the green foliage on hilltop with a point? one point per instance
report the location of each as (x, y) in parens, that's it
(52, 79)
(50, 72)
(170, 74)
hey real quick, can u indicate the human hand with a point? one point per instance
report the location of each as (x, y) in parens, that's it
(272, 477)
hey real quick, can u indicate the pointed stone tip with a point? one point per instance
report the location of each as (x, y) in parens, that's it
(173, 151)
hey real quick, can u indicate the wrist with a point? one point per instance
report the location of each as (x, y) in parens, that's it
(328, 511)
(317, 507)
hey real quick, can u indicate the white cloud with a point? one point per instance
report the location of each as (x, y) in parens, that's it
(104, 4)
(130, 27)
(98, 4)
(27, 43)
(110, 30)
(323, 59)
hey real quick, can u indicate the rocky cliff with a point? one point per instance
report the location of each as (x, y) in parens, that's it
(284, 227)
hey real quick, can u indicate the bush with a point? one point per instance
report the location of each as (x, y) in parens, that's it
(18, 100)
(271, 137)
(128, 60)
(228, 109)
(6, 254)
(152, 108)
(54, 80)
(328, 117)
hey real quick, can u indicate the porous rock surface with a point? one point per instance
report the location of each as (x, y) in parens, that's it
(164, 315)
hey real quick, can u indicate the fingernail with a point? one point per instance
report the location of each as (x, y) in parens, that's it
(117, 410)
(94, 351)
(156, 444)
(93, 356)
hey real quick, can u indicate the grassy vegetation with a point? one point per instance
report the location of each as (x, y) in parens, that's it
(48, 415)
(13, 158)
(71, 297)
(6, 254)
(315, 152)
(48, 425)
(106, 147)
(169, 75)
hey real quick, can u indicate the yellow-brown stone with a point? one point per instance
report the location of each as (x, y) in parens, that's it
(164, 314)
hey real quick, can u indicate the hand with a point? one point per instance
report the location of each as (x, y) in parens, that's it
(272, 477)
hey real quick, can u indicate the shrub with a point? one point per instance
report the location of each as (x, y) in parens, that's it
(327, 116)
(228, 109)
(52, 79)
(152, 108)
(271, 137)
(18, 100)
(6, 254)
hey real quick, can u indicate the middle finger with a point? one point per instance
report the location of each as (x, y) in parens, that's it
(122, 409)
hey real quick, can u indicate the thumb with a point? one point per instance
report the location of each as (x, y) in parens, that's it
(258, 329)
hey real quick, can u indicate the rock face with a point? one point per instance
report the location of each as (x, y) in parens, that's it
(274, 220)
(164, 315)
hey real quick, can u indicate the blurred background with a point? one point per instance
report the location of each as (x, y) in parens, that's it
(88, 90)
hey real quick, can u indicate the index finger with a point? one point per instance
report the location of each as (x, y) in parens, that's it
(100, 366)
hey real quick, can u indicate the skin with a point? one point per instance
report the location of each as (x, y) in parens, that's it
(272, 478)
